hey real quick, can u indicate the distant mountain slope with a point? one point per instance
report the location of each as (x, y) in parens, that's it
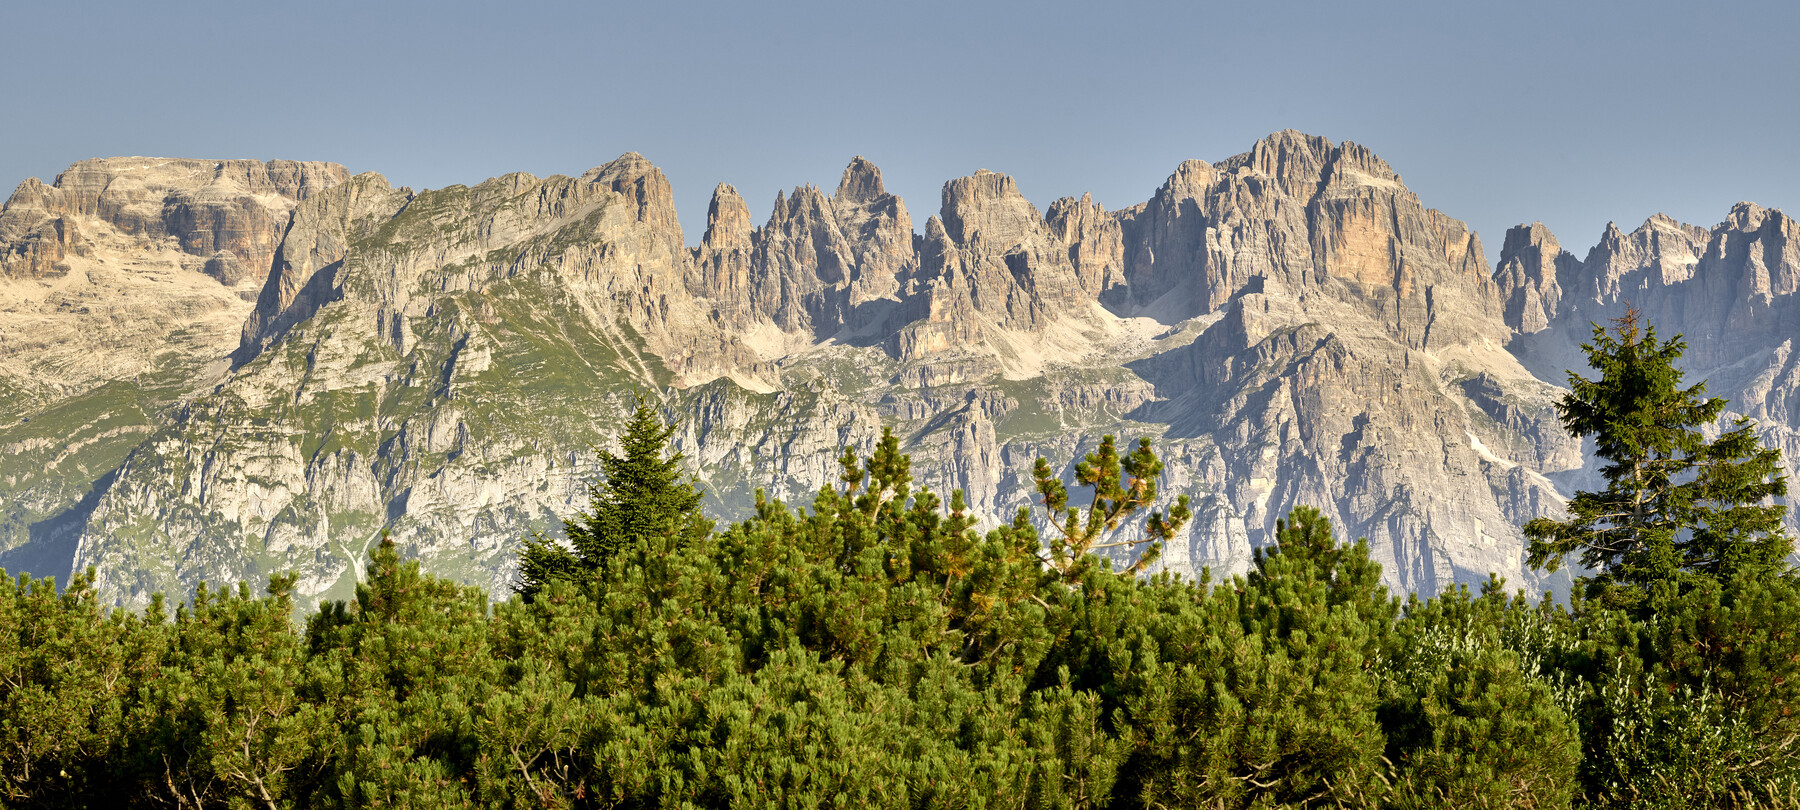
(122, 286)
(1291, 324)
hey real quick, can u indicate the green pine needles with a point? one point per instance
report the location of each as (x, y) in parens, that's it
(1121, 486)
(1677, 506)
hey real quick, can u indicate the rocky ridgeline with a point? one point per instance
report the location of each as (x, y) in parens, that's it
(1291, 325)
(123, 258)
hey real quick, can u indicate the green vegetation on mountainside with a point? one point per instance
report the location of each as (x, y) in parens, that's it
(57, 451)
(316, 444)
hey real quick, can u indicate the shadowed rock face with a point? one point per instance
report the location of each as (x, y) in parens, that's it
(1290, 324)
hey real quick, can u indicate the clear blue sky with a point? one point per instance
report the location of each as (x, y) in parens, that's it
(1497, 113)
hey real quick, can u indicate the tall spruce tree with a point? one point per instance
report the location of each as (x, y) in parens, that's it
(641, 494)
(1676, 506)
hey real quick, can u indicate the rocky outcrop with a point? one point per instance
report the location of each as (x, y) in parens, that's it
(122, 285)
(304, 272)
(1531, 267)
(819, 266)
(227, 215)
(1728, 291)
(1659, 253)
(881, 234)
(130, 267)
(1317, 405)
(1095, 243)
(996, 280)
(1297, 214)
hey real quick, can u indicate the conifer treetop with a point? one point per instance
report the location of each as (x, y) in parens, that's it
(1676, 505)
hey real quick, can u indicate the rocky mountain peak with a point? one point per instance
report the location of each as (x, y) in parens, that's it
(138, 266)
(1531, 266)
(1300, 215)
(987, 203)
(727, 221)
(1095, 243)
(1536, 236)
(1659, 252)
(1067, 215)
(1755, 256)
(640, 181)
(880, 233)
(1293, 159)
(861, 182)
(1190, 181)
(1746, 216)
(32, 192)
(1354, 157)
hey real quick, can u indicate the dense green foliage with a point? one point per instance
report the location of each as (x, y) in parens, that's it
(1121, 487)
(1686, 645)
(876, 649)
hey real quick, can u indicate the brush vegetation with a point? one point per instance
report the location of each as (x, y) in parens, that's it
(875, 649)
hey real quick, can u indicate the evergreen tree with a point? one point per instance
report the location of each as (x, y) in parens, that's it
(1676, 505)
(641, 494)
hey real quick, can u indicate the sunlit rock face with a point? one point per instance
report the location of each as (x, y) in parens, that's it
(1290, 325)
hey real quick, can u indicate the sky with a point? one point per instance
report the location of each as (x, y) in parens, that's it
(1571, 113)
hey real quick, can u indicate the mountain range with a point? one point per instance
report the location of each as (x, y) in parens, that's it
(215, 370)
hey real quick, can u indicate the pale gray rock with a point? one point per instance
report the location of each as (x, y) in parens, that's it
(819, 266)
(237, 208)
(1095, 243)
(1531, 266)
(881, 233)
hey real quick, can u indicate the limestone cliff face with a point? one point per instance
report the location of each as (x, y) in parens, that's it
(881, 233)
(1290, 325)
(1725, 288)
(1532, 266)
(303, 276)
(122, 285)
(1315, 404)
(436, 364)
(124, 260)
(1001, 287)
(1298, 214)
